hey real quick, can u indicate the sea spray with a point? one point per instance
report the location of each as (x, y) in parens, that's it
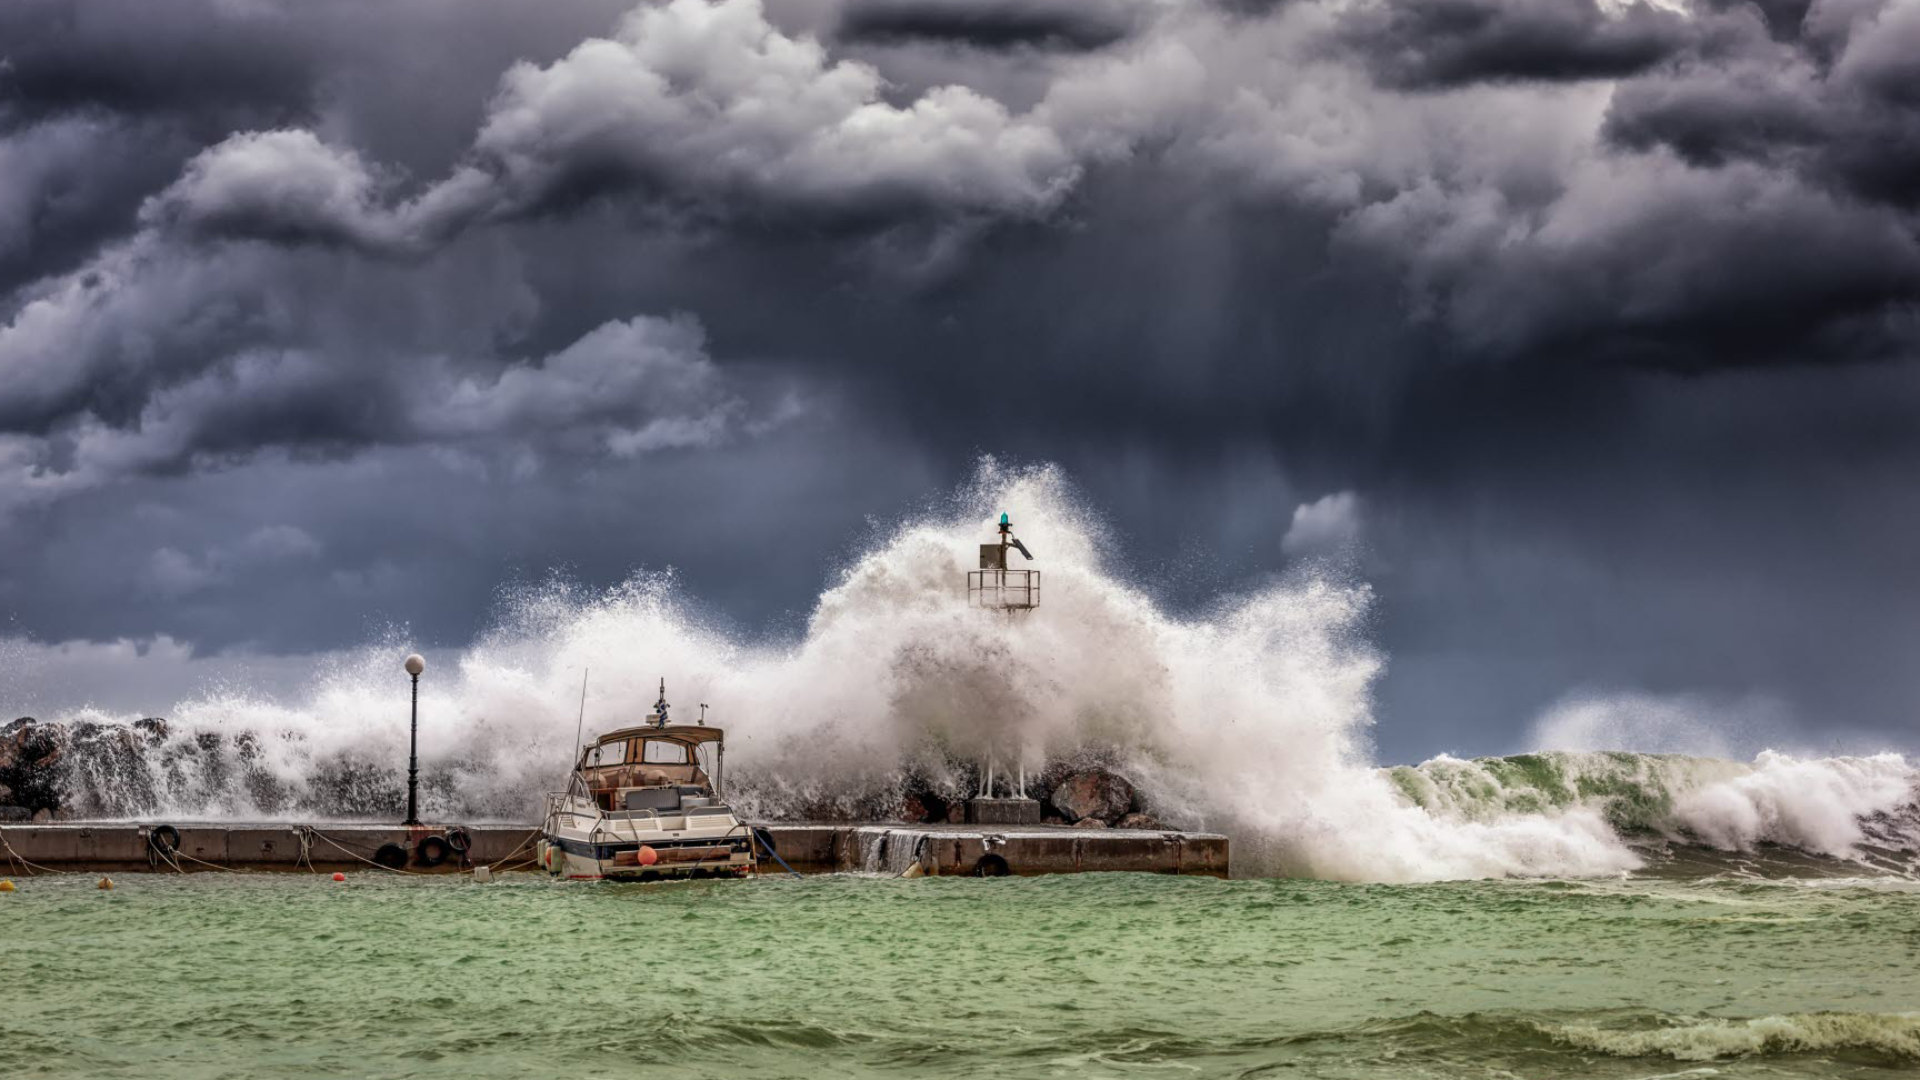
(1251, 717)
(1828, 806)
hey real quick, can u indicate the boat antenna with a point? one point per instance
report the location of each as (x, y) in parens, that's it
(580, 725)
(703, 714)
(660, 707)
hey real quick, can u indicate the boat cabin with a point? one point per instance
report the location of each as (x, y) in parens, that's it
(664, 768)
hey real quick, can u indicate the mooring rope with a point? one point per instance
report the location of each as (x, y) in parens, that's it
(304, 834)
(14, 856)
(753, 838)
(364, 859)
(520, 847)
(177, 855)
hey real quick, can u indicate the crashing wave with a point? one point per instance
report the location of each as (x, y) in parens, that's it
(1251, 718)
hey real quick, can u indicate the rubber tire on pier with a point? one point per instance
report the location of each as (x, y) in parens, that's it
(432, 850)
(391, 855)
(764, 838)
(163, 839)
(991, 866)
(459, 840)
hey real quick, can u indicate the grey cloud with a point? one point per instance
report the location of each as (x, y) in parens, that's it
(1848, 119)
(992, 24)
(1440, 43)
(705, 107)
(626, 388)
(123, 56)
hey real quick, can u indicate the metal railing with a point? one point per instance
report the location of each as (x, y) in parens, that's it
(1003, 588)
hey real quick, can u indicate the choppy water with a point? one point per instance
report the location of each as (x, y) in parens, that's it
(1087, 976)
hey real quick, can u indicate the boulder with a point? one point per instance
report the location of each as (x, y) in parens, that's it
(1138, 821)
(1090, 823)
(15, 813)
(30, 765)
(1093, 793)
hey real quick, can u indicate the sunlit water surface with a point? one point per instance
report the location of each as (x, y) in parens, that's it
(232, 975)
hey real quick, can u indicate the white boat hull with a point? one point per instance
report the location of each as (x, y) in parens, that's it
(588, 846)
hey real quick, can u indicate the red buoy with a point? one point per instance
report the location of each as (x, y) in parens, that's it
(648, 856)
(338, 876)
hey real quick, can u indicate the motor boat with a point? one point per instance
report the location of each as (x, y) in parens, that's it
(644, 804)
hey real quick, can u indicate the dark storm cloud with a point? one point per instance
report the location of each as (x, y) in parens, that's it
(1851, 122)
(133, 58)
(1440, 43)
(991, 24)
(365, 308)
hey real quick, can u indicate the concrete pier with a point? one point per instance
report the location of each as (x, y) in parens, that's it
(992, 850)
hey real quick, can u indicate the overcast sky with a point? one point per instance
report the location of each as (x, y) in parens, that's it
(1584, 332)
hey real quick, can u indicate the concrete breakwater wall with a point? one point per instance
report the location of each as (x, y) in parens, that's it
(123, 846)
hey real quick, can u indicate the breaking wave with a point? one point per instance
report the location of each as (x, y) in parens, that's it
(1893, 1038)
(1251, 718)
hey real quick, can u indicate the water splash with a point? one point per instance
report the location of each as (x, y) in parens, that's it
(1251, 718)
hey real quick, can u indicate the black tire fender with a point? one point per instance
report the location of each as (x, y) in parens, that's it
(431, 850)
(164, 839)
(991, 866)
(391, 855)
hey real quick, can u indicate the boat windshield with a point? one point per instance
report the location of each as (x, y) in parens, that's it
(663, 752)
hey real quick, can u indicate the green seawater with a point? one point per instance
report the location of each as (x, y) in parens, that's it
(1108, 975)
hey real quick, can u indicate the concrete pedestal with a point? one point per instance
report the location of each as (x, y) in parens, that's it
(1003, 811)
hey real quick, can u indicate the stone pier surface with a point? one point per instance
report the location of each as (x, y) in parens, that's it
(994, 850)
(822, 848)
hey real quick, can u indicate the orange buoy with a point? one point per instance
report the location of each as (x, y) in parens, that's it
(648, 856)
(104, 883)
(338, 876)
(6, 885)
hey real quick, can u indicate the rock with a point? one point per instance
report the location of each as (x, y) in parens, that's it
(1138, 821)
(15, 813)
(957, 812)
(1093, 793)
(42, 816)
(1089, 823)
(914, 809)
(30, 767)
(1053, 819)
(154, 730)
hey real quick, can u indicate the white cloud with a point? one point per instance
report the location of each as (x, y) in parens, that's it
(1323, 526)
(630, 386)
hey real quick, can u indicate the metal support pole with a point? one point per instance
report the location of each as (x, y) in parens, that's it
(413, 761)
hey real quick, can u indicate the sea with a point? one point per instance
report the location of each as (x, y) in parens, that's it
(1654, 974)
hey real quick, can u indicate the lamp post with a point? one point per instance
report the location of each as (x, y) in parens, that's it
(415, 665)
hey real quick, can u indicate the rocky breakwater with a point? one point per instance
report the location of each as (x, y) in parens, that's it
(1083, 796)
(38, 760)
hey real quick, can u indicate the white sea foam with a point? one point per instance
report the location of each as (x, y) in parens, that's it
(1252, 718)
(1892, 1035)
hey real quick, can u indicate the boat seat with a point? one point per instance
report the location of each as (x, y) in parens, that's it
(659, 798)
